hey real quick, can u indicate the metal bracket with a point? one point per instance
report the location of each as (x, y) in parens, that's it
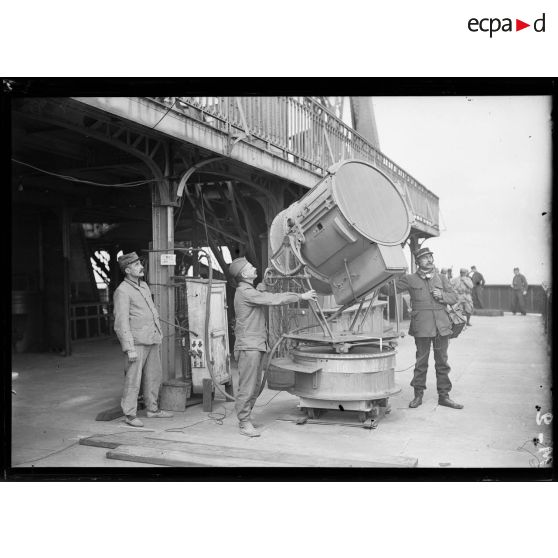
(190, 172)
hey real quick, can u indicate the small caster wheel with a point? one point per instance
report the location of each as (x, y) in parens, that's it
(313, 413)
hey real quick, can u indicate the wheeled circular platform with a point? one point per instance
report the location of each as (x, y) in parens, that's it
(361, 380)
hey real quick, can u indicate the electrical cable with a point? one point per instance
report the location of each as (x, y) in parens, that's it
(265, 404)
(181, 428)
(403, 369)
(180, 327)
(64, 449)
(48, 455)
(131, 184)
(268, 363)
(218, 418)
(160, 119)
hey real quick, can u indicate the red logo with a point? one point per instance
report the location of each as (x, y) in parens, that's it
(519, 25)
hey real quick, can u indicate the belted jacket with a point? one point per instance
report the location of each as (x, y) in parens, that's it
(519, 283)
(428, 316)
(136, 320)
(478, 279)
(250, 328)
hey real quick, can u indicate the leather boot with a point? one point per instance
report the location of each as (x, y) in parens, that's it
(417, 400)
(445, 401)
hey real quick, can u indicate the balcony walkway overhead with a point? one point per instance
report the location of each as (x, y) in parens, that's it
(293, 138)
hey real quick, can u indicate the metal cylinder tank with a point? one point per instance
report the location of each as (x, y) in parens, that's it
(348, 231)
(366, 373)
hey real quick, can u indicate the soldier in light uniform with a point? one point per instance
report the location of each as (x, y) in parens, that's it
(463, 286)
(136, 323)
(251, 336)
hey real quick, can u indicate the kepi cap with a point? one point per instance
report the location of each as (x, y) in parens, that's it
(237, 265)
(127, 259)
(422, 252)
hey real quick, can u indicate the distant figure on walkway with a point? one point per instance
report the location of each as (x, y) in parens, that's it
(251, 335)
(430, 325)
(478, 286)
(463, 286)
(136, 323)
(519, 290)
(446, 272)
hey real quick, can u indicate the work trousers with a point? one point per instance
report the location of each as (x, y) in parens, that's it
(440, 346)
(146, 368)
(477, 297)
(250, 376)
(518, 302)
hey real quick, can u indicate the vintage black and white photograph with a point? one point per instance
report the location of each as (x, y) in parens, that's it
(345, 283)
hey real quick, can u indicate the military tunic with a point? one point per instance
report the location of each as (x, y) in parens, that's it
(137, 325)
(428, 316)
(251, 341)
(519, 286)
(430, 325)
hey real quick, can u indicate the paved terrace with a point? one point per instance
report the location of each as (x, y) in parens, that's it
(500, 372)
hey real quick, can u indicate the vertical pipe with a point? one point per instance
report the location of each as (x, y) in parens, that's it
(159, 277)
(66, 279)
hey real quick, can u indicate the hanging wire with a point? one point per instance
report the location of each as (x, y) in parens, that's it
(160, 119)
(131, 184)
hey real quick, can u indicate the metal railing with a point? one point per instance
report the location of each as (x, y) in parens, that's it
(499, 297)
(301, 130)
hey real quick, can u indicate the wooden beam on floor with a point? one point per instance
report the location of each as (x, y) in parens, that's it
(196, 454)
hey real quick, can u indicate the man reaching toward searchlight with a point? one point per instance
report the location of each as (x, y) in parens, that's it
(251, 336)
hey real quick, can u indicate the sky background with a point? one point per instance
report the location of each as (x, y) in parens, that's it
(488, 159)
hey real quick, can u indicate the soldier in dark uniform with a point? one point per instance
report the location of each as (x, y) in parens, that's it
(478, 285)
(430, 325)
(251, 336)
(519, 290)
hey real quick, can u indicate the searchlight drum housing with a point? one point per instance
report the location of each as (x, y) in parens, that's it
(344, 237)
(347, 230)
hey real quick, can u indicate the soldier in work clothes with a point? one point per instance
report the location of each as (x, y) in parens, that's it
(136, 323)
(251, 336)
(463, 286)
(430, 325)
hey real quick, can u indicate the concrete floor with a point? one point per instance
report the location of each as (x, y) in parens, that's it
(500, 372)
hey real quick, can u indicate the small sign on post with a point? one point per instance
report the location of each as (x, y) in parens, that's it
(168, 259)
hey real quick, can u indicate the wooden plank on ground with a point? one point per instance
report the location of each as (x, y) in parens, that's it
(228, 456)
(113, 440)
(177, 458)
